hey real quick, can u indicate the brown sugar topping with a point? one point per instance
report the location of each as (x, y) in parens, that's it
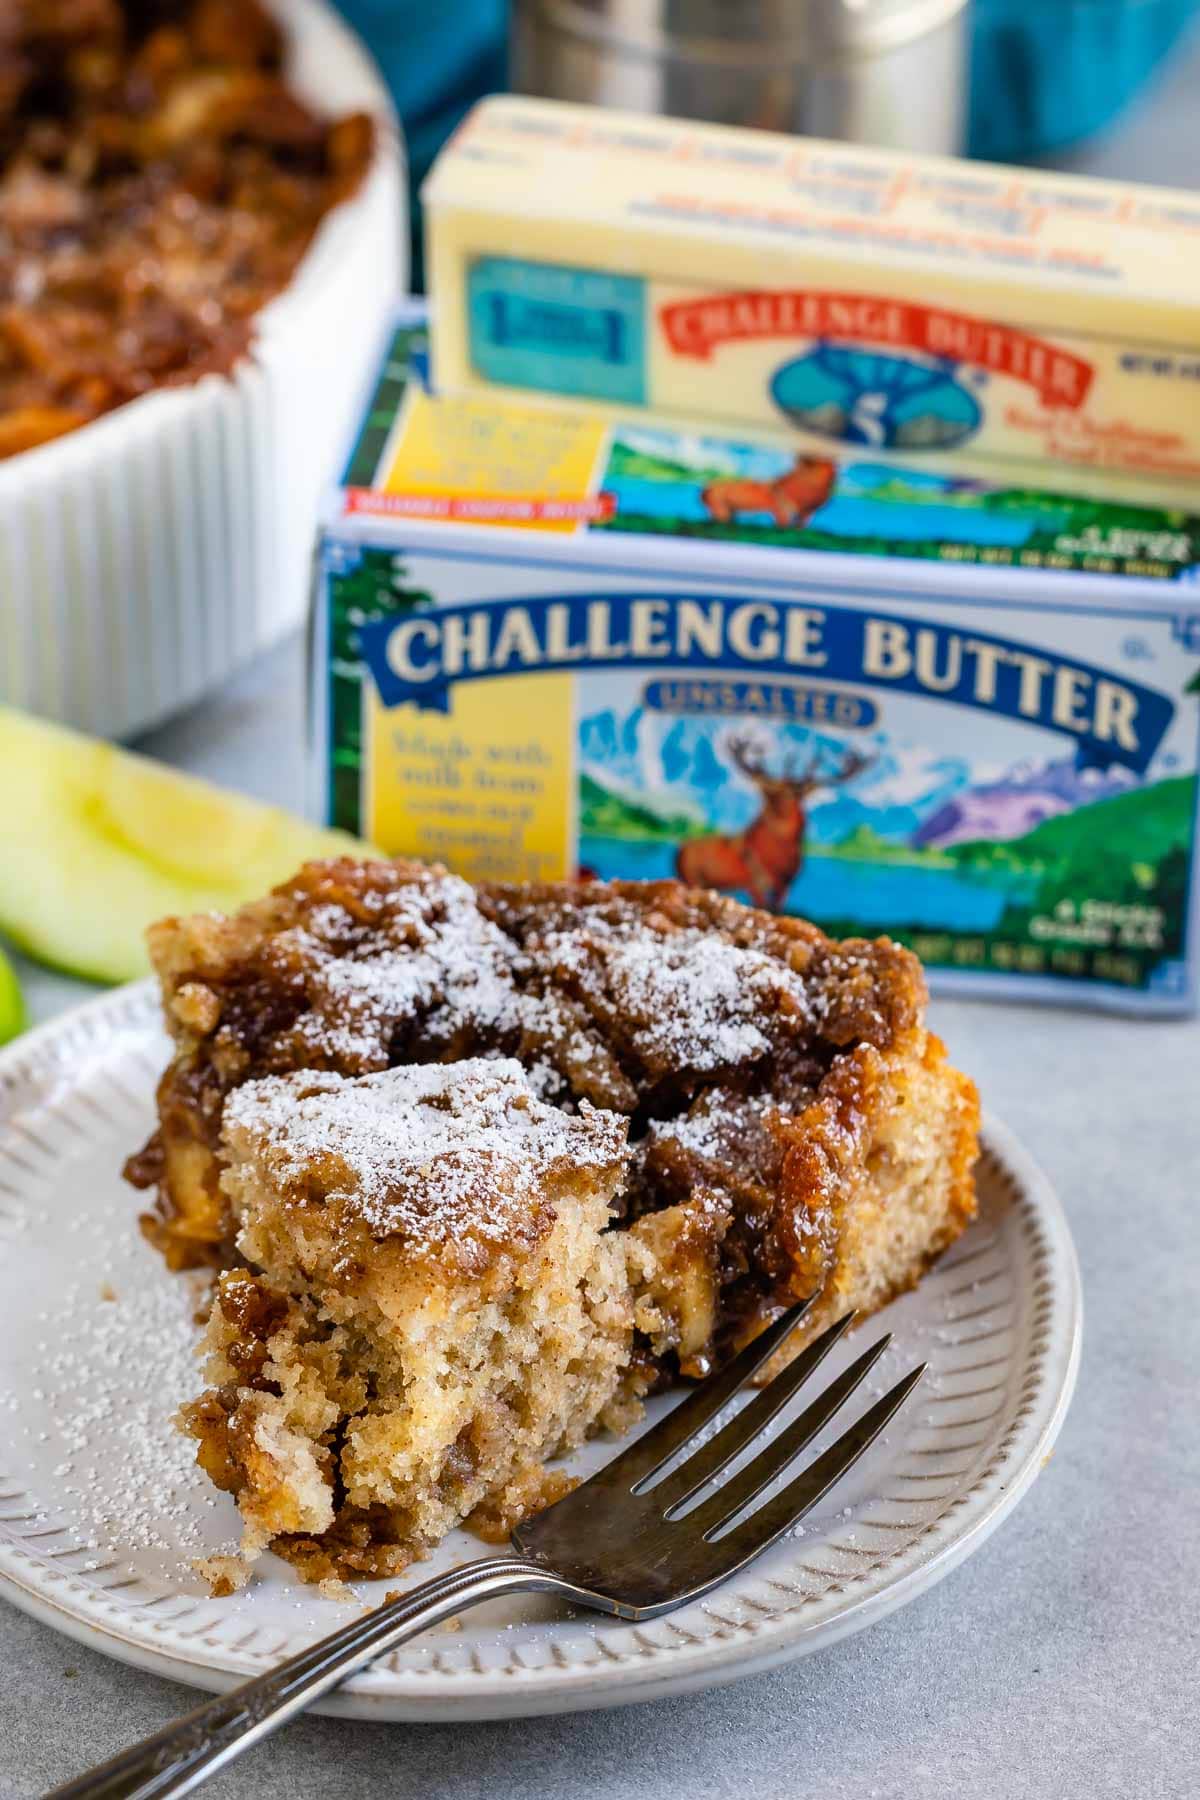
(686, 998)
(444, 1157)
(674, 1007)
(430, 957)
(642, 993)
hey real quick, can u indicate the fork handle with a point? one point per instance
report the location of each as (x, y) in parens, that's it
(181, 1756)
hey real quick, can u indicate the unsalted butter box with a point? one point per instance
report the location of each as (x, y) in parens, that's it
(550, 642)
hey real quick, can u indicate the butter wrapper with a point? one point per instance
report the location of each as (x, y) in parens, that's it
(551, 643)
(938, 313)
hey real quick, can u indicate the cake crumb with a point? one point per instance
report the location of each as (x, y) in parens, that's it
(225, 1575)
(450, 1159)
(330, 1587)
(530, 1491)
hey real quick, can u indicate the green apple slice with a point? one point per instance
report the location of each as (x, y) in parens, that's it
(96, 843)
(12, 1005)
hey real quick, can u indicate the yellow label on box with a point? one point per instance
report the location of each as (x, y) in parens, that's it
(490, 461)
(488, 787)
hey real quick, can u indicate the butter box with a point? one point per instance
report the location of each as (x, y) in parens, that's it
(548, 641)
(1043, 326)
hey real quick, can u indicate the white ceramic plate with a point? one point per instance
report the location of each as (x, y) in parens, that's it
(101, 1510)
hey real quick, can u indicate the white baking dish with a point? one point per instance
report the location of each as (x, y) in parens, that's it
(144, 557)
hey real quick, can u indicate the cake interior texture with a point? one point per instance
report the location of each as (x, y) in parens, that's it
(477, 1169)
(433, 1304)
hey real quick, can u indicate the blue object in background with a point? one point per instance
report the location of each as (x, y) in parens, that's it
(438, 57)
(1045, 73)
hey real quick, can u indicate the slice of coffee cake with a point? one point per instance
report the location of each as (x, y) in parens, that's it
(351, 967)
(431, 1306)
(792, 1129)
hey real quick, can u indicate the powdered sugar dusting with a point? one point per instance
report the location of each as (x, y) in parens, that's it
(606, 992)
(696, 993)
(690, 997)
(706, 1130)
(124, 1477)
(432, 955)
(437, 1155)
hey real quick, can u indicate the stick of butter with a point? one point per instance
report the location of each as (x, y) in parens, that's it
(949, 313)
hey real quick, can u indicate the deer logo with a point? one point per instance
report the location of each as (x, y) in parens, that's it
(792, 499)
(764, 859)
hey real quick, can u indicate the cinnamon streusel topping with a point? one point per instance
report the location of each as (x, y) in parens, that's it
(451, 1160)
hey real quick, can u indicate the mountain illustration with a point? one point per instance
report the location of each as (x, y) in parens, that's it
(1127, 834)
(664, 761)
(674, 764)
(1013, 806)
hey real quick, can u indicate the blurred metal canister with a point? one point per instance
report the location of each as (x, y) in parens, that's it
(887, 72)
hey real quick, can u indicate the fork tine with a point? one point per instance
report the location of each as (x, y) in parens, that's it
(707, 1462)
(799, 1497)
(729, 1500)
(656, 1446)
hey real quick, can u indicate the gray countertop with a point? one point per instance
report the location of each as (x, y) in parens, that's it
(1062, 1660)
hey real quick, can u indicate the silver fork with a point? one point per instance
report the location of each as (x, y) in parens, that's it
(622, 1543)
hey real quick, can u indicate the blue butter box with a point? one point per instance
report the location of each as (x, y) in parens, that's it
(964, 715)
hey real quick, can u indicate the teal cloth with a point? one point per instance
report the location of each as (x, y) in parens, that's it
(438, 57)
(1046, 73)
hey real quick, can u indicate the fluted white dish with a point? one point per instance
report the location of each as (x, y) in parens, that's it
(146, 556)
